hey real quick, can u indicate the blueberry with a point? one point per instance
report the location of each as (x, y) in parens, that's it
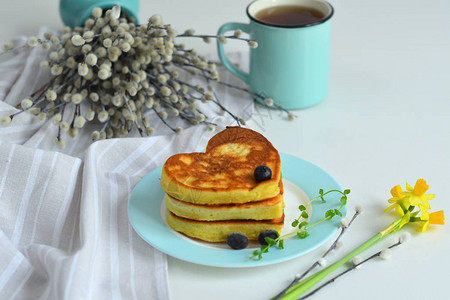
(237, 240)
(262, 173)
(273, 234)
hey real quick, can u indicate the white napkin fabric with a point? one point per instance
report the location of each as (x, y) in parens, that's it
(64, 229)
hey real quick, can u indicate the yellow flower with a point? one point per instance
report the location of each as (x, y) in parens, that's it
(437, 218)
(417, 193)
(404, 202)
(400, 203)
(426, 218)
(396, 191)
(421, 187)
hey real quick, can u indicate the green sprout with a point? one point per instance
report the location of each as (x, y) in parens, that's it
(301, 224)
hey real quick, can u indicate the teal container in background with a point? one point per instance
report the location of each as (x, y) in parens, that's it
(75, 12)
(291, 65)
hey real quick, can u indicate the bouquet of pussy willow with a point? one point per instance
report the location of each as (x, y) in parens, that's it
(113, 72)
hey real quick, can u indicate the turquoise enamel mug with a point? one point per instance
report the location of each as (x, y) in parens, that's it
(291, 64)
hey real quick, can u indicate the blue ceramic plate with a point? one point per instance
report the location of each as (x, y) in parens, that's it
(302, 181)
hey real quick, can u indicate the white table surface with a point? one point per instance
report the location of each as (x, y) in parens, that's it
(385, 121)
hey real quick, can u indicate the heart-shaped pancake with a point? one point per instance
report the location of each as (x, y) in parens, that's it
(225, 172)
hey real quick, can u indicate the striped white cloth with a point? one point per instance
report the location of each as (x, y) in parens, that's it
(64, 229)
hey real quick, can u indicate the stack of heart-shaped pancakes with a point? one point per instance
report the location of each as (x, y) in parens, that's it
(210, 195)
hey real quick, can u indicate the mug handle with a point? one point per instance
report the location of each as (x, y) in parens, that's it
(226, 63)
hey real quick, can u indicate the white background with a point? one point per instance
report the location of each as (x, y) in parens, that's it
(385, 121)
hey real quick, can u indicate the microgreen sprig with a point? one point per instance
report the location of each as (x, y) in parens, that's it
(302, 224)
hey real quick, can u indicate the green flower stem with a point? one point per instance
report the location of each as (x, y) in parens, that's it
(304, 285)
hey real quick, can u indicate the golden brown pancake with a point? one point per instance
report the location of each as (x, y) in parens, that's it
(217, 231)
(224, 173)
(257, 210)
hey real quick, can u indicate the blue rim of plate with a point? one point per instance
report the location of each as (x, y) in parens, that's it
(144, 213)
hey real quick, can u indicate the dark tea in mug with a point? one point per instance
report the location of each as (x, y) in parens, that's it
(289, 15)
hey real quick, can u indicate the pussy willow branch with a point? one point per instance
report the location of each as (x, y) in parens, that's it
(353, 267)
(315, 264)
(256, 95)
